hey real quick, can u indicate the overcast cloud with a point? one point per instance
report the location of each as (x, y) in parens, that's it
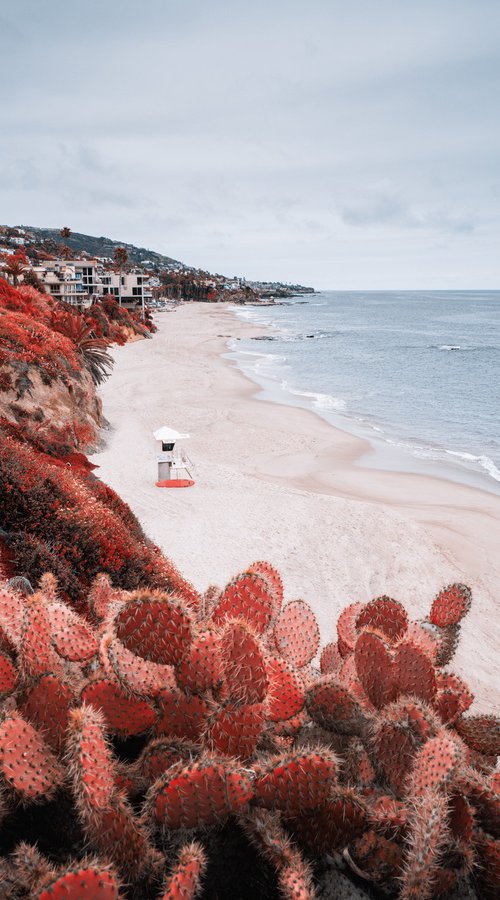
(344, 145)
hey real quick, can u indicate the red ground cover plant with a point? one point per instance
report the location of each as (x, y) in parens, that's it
(82, 521)
(55, 514)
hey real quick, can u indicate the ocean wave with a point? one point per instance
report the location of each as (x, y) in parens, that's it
(264, 356)
(467, 460)
(318, 400)
(484, 462)
(454, 347)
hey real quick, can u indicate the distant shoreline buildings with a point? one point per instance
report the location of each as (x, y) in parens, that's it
(80, 279)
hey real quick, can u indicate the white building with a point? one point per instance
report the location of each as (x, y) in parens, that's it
(135, 288)
(74, 281)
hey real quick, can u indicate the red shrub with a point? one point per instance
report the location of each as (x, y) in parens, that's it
(82, 521)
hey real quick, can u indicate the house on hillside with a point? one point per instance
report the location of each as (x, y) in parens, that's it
(135, 288)
(73, 281)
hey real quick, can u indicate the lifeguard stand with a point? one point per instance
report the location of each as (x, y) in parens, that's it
(173, 462)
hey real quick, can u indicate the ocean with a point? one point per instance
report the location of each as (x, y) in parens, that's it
(417, 373)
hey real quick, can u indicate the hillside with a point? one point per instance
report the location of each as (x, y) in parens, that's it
(51, 240)
(103, 246)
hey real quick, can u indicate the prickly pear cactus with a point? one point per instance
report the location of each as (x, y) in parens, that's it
(150, 726)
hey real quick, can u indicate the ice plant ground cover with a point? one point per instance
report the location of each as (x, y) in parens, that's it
(157, 742)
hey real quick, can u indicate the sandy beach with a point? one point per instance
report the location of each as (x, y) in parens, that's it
(279, 483)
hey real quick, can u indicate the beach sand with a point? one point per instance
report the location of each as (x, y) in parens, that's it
(279, 483)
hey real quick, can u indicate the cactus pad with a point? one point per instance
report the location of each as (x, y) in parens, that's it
(92, 763)
(385, 615)
(332, 706)
(36, 652)
(296, 781)
(182, 715)
(414, 672)
(124, 715)
(428, 831)
(72, 638)
(203, 793)
(12, 615)
(243, 665)
(481, 733)
(332, 825)
(27, 764)
(156, 626)
(81, 883)
(286, 695)
(101, 596)
(330, 659)
(200, 669)
(235, 730)
(247, 597)
(8, 675)
(375, 668)
(183, 882)
(296, 633)
(47, 707)
(450, 605)
(163, 753)
(125, 839)
(375, 857)
(347, 631)
(434, 765)
(273, 580)
(453, 696)
(135, 674)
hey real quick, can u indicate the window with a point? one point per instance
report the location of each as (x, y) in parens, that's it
(136, 292)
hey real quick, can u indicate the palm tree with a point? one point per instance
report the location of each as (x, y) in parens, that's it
(15, 266)
(120, 257)
(30, 277)
(65, 251)
(92, 349)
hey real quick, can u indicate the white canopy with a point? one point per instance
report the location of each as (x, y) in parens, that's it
(168, 435)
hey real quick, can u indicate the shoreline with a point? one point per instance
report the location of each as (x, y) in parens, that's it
(280, 482)
(386, 451)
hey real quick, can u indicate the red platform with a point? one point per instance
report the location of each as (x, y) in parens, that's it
(175, 482)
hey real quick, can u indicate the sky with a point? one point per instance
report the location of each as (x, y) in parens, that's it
(340, 145)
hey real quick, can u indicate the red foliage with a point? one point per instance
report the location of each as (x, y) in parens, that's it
(26, 300)
(25, 339)
(84, 522)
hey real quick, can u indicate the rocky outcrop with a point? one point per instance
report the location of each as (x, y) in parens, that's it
(70, 410)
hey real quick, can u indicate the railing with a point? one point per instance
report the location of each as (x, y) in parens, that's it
(180, 460)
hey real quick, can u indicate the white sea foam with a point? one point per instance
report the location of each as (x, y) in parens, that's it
(448, 347)
(484, 462)
(318, 400)
(468, 460)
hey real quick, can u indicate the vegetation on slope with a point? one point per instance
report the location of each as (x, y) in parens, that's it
(99, 246)
(55, 514)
